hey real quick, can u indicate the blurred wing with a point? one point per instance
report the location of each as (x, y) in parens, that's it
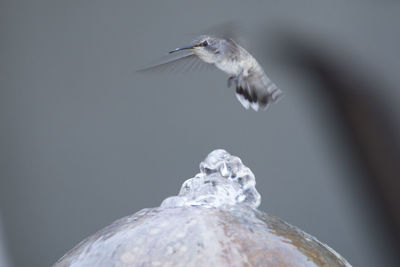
(182, 62)
(228, 30)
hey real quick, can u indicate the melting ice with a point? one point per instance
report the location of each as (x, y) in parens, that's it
(223, 181)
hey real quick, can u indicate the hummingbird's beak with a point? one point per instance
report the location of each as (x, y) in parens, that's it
(182, 48)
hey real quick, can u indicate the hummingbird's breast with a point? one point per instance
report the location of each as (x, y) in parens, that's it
(229, 57)
(233, 68)
(224, 62)
(239, 65)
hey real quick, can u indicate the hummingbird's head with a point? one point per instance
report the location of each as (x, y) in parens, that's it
(205, 47)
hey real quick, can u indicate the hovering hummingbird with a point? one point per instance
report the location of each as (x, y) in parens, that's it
(253, 88)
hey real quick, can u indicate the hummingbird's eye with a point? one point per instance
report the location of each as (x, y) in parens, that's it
(205, 43)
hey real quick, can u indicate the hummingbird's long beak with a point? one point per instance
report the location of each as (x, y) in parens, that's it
(182, 48)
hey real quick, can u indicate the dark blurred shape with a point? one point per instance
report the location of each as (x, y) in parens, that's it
(355, 95)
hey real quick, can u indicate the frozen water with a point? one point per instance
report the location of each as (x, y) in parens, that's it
(223, 181)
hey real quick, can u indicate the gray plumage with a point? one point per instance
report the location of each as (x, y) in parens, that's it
(253, 88)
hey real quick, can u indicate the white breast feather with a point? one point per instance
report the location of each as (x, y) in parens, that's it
(230, 67)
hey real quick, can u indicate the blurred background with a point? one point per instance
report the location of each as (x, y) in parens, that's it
(85, 140)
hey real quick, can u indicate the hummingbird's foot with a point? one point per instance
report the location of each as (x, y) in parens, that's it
(231, 80)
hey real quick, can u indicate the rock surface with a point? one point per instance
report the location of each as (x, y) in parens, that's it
(213, 221)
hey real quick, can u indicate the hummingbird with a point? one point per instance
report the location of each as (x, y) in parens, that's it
(253, 87)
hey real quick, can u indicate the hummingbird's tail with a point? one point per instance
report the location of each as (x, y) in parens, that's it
(256, 93)
(272, 95)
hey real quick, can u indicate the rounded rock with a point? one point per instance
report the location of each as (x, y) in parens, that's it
(199, 236)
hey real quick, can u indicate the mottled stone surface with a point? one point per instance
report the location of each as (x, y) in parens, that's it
(213, 221)
(198, 236)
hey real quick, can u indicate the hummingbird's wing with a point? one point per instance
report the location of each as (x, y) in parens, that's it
(256, 90)
(182, 62)
(231, 29)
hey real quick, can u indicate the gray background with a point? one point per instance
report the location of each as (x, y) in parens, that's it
(84, 140)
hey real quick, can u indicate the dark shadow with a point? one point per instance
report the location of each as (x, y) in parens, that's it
(355, 96)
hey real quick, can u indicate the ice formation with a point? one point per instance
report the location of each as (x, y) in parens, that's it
(223, 181)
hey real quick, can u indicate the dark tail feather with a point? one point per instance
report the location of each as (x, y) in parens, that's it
(255, 98)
